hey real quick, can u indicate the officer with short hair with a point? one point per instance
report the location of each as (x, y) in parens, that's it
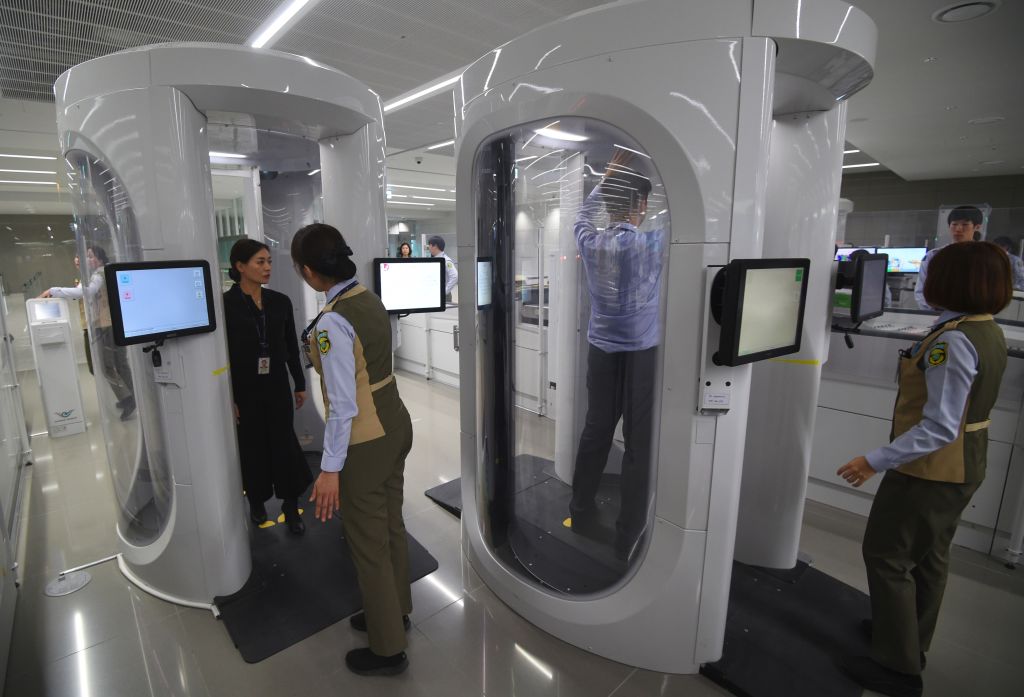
(436, 246)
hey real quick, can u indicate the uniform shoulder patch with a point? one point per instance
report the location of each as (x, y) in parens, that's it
(937, 354)
(323, 341)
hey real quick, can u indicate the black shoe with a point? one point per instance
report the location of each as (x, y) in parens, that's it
(128, 409)
(294, 522)
(872, 675)
(358, 622)
(257, 512)
(586, 523)
(866, 627)
(366, 662)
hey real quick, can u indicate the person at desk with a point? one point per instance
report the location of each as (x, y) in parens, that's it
(623, 274)
(948, 384)
(964, 226)
(368, 436)
(436, 246)
(263, 351)
(1006, 244)
(113, 358)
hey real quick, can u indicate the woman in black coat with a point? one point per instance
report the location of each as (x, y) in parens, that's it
(263, 350)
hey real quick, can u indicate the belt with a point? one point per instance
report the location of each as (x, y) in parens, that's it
(977, 426)
(391, 378)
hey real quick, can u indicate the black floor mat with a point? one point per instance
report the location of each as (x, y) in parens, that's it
(782, 637)
(298, 585)
(448, 496)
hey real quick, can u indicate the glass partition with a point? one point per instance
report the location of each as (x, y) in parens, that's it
(129, 409)
(572, 233)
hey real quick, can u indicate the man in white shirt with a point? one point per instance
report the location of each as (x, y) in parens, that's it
(964, 223)
(436, 245)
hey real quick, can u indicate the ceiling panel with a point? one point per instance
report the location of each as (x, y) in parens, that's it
(40, 39)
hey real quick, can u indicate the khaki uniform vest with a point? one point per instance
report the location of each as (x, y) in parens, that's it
(963, 460)
(377, 398)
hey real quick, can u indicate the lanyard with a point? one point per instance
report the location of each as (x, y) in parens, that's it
(260, 318)
(309, 328)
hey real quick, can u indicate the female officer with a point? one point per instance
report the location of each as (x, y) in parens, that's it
(263, 350)
(368, 436)
(948, 384)
(405, 251)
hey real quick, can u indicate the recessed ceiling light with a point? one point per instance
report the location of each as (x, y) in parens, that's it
(558, 134)
(985, 120)
(950, 107)
(965, 11)
(992, 162)
(930, 59)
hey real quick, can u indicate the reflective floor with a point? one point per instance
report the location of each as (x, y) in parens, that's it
(110, 639)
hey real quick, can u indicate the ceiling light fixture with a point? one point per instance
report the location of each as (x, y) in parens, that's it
(420, 94)
(312, 173)
(421, 188)
(965, 11)
(850, 152)
(865, 164)
(27, 171)
(445, 144)
(29, 157)
(228, 155)
(14, 181)
(285, 15)
(559, 135)
(409, 203)
(433, 198)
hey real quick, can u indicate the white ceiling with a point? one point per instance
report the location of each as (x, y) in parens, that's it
(913, 118)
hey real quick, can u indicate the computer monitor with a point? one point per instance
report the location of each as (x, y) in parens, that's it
(843, 253)
(43, 310)
(759, 304)
(904, 259)
(406, 286)
(860, 287)
(155, 300)
(484, 281)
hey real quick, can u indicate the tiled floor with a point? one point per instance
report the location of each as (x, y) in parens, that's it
(111, 639)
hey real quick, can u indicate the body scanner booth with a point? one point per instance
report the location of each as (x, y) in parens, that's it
(137, 129)
(733, 112)
(49, 327)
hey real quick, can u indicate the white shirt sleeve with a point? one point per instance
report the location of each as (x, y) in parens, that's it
(949, 386)
(919, 286)
(67, 293)
(452, 274)
(339, 365)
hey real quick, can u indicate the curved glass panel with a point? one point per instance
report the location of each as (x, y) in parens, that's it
(107, 233)
(572, 247)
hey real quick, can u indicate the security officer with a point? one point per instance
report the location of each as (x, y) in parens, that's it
(935, 462)
(436, 245)
(965, 224)
(368, 436)
(75, 293)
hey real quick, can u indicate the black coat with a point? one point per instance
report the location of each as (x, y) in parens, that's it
(272, 460)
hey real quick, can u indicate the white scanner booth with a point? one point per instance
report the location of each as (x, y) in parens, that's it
(137, 129)
(49, 327)
(732, 111)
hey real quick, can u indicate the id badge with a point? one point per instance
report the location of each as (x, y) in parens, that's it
(264, 366)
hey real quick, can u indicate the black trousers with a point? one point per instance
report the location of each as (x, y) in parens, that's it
(619, 386)
(114, 364)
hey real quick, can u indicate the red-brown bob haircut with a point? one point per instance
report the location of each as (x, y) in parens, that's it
(970, 277)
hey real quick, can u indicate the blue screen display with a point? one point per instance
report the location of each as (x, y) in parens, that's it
(157, 301)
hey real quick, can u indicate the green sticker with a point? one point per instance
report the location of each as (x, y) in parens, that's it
(799, 275)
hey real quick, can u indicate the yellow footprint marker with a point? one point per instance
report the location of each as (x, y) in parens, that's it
(567, 523)
(280, 518)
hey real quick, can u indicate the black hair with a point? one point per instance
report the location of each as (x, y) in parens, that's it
(404, 244)
(969, 213)
(437, 241)
(1004, 242)
(634, 185)
(322, 248)
(99, 252)
(241, 252)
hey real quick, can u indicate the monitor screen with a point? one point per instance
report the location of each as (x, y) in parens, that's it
(860, 288)
(44, 310)
(843, 253)
(904, 259)
(760, 305)
(484, 279)
(155, 300)
(406, 286)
